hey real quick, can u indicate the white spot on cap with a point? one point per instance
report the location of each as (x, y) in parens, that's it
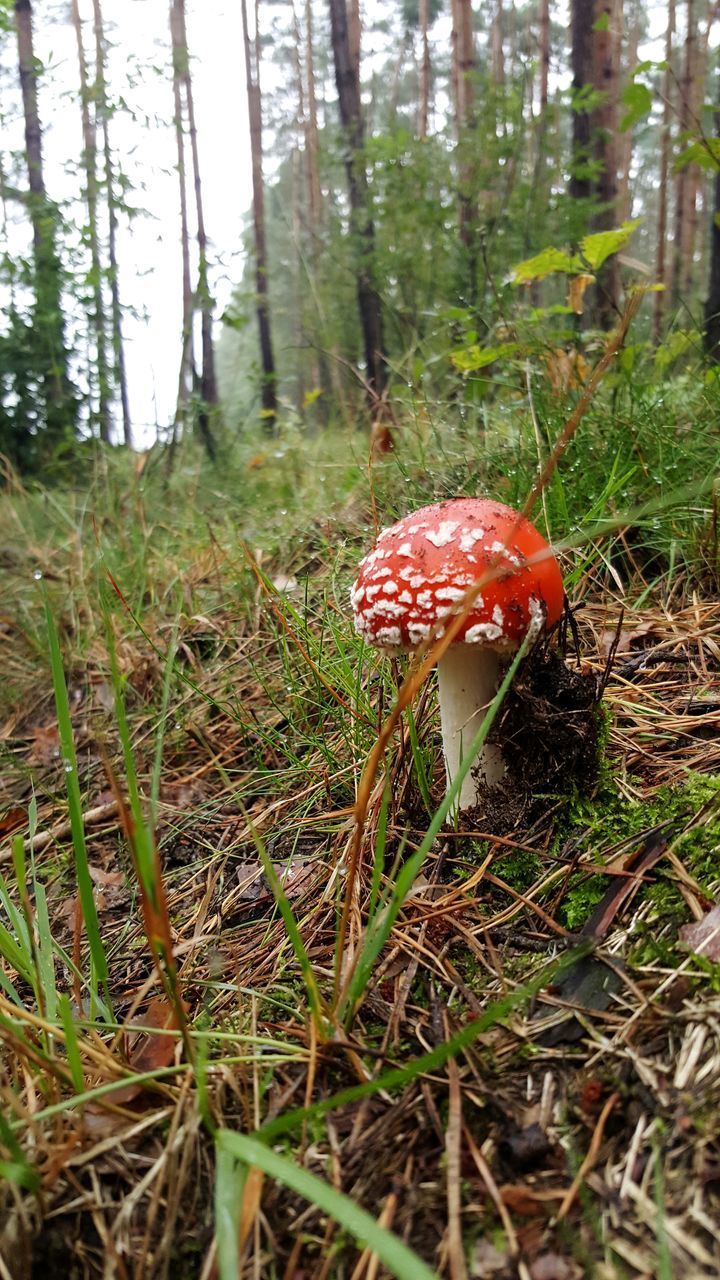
(405, 549)
(444, 534)
(388, 635)
(357, 595)
(390, 588)
(483, 631)
(382, 573)
(389, 609)
(405, 597)
(469, 537)
(449, 593)
(498, 616)
(418, 631)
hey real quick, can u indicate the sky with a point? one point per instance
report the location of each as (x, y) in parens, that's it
(143, 136)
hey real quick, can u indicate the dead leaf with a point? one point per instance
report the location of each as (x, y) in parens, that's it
(576, 292)
(550, 1266)
(567, 370)
(703, 937)
(105, 878)
(488, 1263)
(12, 819)
(45, 744)
(381, 440)
(285, 583)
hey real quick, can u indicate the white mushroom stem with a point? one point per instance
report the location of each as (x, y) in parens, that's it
(468, 678)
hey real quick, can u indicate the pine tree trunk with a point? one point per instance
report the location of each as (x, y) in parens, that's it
(604, 119)
(662, 266)
(582, 18)
(187, 373)
(59, 400)
(464, 66)
(252, 74)
(89, 162)
(312, 146)
(424, 81)
(345, 43)
(496, 42)
(686, 184)
(624, 197)
(102, 114)
(208, 382)
(544, 52)
(712, 306)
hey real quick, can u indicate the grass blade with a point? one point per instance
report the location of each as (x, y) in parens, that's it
(401, 1261)
(77, 825)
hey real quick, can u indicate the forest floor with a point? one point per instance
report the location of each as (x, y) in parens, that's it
(525, 1082)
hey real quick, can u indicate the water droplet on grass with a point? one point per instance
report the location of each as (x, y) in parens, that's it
(37, 575)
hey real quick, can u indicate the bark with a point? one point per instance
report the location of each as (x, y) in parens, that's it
(89, 162)
(604, 122)
(662, 264)
(544, 52)
(102, 114)
(60, 404)
(686, 183)
(424, 83)
(187, 373)
(582, 19)
(252, 73)
(312, 148)
(624, 198)
(463, 71)
(347, 79)
(712, 306)
(496, 42)
(208, 376)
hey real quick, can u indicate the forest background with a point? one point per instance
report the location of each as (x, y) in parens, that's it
(398, 177)
(272, 276)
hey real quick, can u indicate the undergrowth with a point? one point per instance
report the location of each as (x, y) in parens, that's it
(184, 734)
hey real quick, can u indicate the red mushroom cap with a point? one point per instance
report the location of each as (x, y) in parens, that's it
(422, 566)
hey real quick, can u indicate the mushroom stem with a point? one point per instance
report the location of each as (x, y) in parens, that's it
(468, 678)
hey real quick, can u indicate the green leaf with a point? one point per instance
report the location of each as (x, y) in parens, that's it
(400, 1260)
(603, 23)
(596, 248)
(638, 100)
(703, 151)
(468, 359)
(543, 264)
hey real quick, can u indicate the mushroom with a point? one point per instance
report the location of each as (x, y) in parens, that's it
(419, 572)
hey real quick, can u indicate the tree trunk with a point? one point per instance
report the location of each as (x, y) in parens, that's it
(347, 79)
(496, 43)
(312, 147)
(582, 18)
(187, 373)
(89, 162)
(712, 306)
(102, 114)
(686, 184)
(604, 121)
(544, 52)
(662, 271)
(252, 74)
(424, 82)
(49, 328)
(463, 48)
(208, 379)
(624, 197)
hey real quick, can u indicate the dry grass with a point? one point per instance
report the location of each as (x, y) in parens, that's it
(555, 1144)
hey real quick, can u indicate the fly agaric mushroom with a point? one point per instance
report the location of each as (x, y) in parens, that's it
(418, 574)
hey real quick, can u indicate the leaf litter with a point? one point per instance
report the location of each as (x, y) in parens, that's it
(558, 1123)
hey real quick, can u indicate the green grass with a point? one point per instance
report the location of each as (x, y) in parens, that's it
(234, 720)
